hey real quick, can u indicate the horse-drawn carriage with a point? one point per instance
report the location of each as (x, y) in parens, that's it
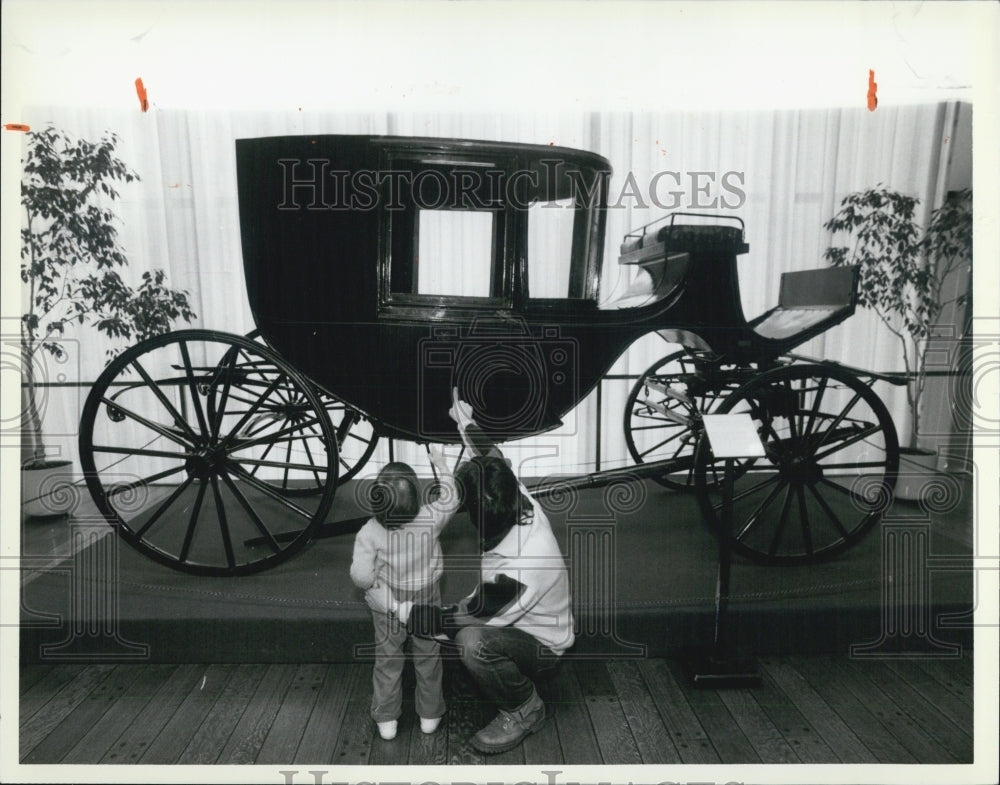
(384, 272)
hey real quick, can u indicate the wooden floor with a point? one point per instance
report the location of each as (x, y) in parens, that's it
(809, 709)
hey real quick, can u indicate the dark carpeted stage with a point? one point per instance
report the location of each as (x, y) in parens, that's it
(644, 580)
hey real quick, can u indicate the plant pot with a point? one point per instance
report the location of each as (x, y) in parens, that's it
(917, 474)
(47, 489)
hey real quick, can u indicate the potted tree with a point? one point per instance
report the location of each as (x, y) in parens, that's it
(902, 268)
(71, 260)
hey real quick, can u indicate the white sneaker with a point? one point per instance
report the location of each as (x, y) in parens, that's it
(429, 725)
(387, 729)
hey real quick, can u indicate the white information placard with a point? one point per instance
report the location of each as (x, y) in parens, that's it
(733, 436)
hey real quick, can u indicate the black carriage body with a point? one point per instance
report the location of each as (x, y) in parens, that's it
(352, 279)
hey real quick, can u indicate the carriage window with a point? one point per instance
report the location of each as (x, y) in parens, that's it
(454, 253)
(565, 235)
(550, 248)
(448, 233)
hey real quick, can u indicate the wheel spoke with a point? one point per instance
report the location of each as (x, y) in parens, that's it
(661, 423)
(755, 516)
(782, 520)
(242, 396)
(666, 441)
(751, 491)
(116, 489)
(262, 369)
(224, 399)
(164, 507)
(220, 507)
(814, 410)
(192, 523)
(163, 430)
(269, 491)
(838, 420)
(793, 428)
(829, 512)
(259, 425)
(854, 439)
(263, 456)
(804, 520)
(179, 420)
(356, 438)
(275, 436)
(143, 451)
(193, 386)
(857, 465)
(267, 536)
(845, 491)
(311, 468)
(249, 413)
(312, 461)
(288, 460)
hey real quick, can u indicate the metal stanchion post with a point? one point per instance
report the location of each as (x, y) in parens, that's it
(731, 437)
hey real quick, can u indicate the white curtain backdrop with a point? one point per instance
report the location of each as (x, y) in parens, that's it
(792, 167)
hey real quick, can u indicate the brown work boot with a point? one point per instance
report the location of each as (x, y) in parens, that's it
(509, 728)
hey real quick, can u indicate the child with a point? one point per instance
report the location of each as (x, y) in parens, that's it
(519, 621)
(397, 555)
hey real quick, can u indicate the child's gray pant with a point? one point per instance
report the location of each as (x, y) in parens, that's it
(387, 682)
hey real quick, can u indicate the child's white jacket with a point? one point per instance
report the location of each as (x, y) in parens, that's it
(406, 557)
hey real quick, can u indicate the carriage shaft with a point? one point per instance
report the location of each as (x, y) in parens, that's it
(600, 479)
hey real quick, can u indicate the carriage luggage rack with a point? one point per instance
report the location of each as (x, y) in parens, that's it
(644, 244)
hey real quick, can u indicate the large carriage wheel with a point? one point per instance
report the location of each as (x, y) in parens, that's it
(356, 437)
(831, 463)
(170, 463)
(658, 411)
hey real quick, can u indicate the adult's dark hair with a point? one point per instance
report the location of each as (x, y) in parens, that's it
(491, 495)
(395, 495)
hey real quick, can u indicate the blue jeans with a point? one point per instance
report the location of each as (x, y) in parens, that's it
(504, 662)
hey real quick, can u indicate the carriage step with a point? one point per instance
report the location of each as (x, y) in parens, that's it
(670, 392)
(670, 414)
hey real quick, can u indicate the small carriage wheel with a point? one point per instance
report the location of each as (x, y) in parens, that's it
(652, 432)
(172, 475)
(356, 437)
(832, 458)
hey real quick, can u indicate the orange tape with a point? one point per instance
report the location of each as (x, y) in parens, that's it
(140, 90)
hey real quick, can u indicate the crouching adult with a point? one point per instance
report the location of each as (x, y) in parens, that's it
(518, 621)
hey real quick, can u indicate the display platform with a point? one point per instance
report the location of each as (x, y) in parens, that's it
(643, 576)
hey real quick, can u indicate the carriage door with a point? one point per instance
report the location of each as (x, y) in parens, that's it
(447, 309)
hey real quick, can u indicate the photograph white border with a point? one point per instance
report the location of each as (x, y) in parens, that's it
(505, 56)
